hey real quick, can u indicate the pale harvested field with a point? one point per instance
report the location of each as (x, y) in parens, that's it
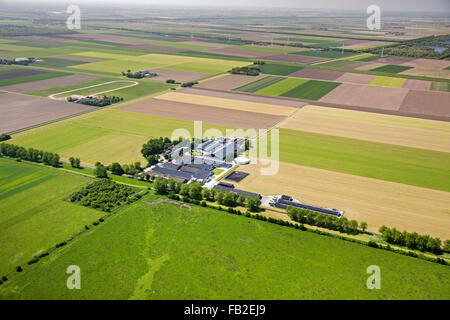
(405, 131)
(229, 82)
(427, 63)
(366, 44)
(318, 74)
(427, 102)
(212, 115)
(358, 78)
(244, 97)
(20, 111)
(377, 202)
(179, 76)
(370, 66)
(417, 84)
(227, 103)
(384, 98)
(433, 73)
(48, 83)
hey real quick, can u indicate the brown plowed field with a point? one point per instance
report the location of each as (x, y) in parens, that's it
(48, 83)
(427, 63)
(319, 74)
(23, 73)
(417, 84)
(229, 82)
(367, 96)
(213, 115)
(427, 102)
(394, 60)
(356, 78)
(20, 111)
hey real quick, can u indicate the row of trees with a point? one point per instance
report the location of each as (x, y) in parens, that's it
(189, 84)
(195, 191)
(75, 162)
(131, 169)
(413, 240)
(326, 221)
(30, 154)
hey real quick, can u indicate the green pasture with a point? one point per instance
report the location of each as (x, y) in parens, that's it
(34, 77)
(161, 251)
(33, 214)
(311, 90)
(326, 54)
(391, 68)
(440, 86)
(281, 87)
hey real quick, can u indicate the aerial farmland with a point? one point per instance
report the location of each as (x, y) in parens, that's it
(181, 154)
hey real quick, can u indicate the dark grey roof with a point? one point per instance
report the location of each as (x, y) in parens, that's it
(170, 165)
(285, 203)
(237, 191)
(173, 173)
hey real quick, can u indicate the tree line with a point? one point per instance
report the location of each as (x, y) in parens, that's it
(195, 191)
(30, 154)
(326, 221)
(249, 71)
(131, 169)
(413, 240)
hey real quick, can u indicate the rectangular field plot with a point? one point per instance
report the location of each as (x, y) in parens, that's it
(440, 86)
(418, 167)
(259, 84)
(405, 131)
(48, 84)
(228, 82)
(128, 244)
(278, 69)
(326, 54)
(390, 68)
(388, 82)
(281, 87)
(31, 76)
(34, 213)
(311, 90)
(20, 111)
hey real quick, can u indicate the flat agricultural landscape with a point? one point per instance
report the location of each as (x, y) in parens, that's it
(365, 199)
(20, 111)
(160, 246)
(48, 84)
(34, 215)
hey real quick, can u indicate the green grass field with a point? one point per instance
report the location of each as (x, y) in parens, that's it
(281, 87)
(33, 213)
(108, 135)
(35, 77)
(419, 167)
(270, 49)
(279, 69)
(259, 84)
(391, 68)
(388, 82)
(312, 90)
(161, 251)
(56, 63)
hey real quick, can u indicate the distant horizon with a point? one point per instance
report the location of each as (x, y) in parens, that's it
(412, 6)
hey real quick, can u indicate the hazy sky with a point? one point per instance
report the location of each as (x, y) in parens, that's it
(388, 5)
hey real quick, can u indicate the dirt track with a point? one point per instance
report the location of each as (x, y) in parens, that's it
(212, 115)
